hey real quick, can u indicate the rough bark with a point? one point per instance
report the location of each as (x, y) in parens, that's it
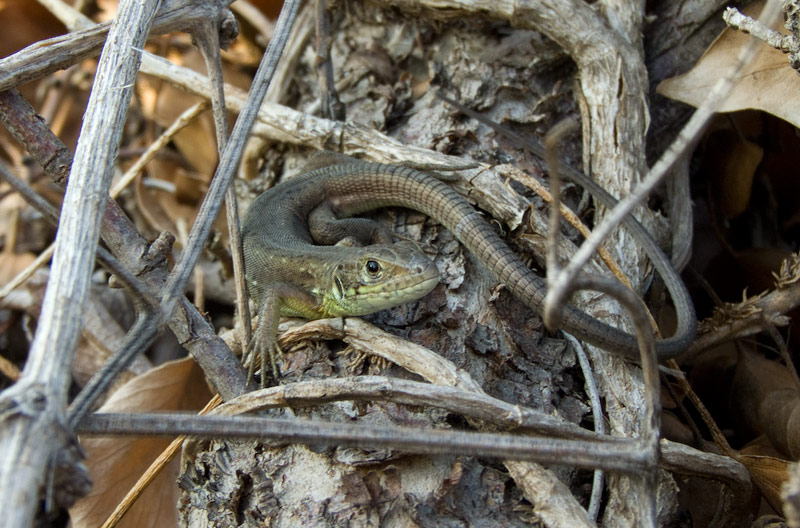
(387, 64)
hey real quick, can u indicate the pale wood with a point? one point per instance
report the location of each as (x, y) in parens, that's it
(46, 377)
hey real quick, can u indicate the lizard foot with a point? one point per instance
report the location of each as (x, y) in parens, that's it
(265, 348)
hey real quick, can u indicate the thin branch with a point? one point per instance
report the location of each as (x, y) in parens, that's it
(412, 439)
(775, 39)
(48, 56)
(651, 419)
(734, 509)
(599, 420)
(151, 473)
(146, 260)
(140, 336)
(557, 294)
(332, 107)
(152, 150)
(207, 38)
(471, 405)
(208, 210)
(763, 311)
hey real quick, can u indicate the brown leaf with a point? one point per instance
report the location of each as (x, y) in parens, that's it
(11, 264)
(731, 161)
(768, 84)
(23, 23)
(769, 474)
(766, 401)
(116, 463)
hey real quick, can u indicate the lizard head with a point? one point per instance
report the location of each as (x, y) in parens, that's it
(380, 277)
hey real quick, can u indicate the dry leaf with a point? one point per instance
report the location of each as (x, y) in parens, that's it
(768, 84)
(159, 204)
(769, 474)
(23, 22)
(116, 463)
(271, 8)
(766, 400)
(731, 162)
(11, 264)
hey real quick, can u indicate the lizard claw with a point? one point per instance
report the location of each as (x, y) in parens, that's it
(268, 350)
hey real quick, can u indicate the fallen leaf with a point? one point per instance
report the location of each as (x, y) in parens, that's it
(767, 84)
(731, 162)
(23, 23)
(116, 463)
(768, 473)
(766, 400)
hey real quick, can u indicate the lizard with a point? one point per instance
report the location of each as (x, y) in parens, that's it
(288, 273)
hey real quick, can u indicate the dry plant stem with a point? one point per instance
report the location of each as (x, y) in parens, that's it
(574, 221)
(15, 115)
(9, 370)
(651, 420)
(775, 39)
(283, 124)
(229, 160)
(768, 311)
(554, 137)
(651, 414)
(152, 150)
(651, 423)
(146, 259)
(42, 259)
(417, 359)
(597, 415)
(147, 478)
(716, 434)
(559, 291)
(255, 18)
(140, 336)
(46, 376)
(332, 107)
(207, 38)
(675, 457)
(574, 175)
(48, 56)
(552, 500)
(471, 405)
(67, 15)
(565, 452)
(235, 238)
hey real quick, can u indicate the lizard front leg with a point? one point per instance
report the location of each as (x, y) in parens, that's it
(274, 299)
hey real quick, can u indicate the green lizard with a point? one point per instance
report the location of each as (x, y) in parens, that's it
(288, 274)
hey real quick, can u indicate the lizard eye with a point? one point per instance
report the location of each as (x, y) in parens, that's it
(373, 267)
